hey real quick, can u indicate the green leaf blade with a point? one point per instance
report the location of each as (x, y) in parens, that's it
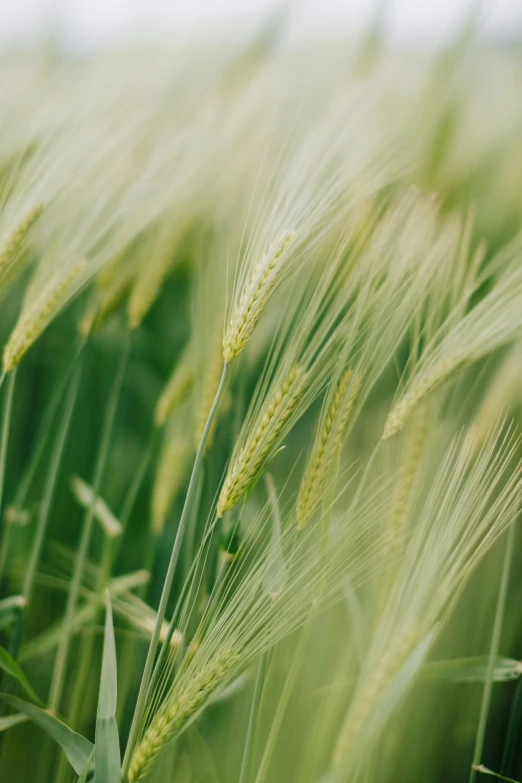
(107, 759)
(85, 774)
(9, 721)
(9, 609)
(14, 670)
(77, 749)
(473, 669)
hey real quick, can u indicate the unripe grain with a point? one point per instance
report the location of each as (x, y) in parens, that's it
(17, 237)
(256, 451)
(176, 389)
(328, 441)
(419, 391)
(32, 324)
(254, 297)
(177, 709)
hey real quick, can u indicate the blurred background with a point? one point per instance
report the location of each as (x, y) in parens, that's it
(81, 24)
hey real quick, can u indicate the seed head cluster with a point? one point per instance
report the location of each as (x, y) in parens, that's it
(254, 296)
(259, 446)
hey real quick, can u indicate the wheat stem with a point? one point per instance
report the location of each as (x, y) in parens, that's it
(252, 718)
(167, 585)
(6, 426)
(127, 657)
(44, 430)
(47, 501)
(170, 471)
(60, 664)
(513, 731)
(41, 526)
(84, 670)
(84, 667)
(165, 647)
(493, 652)
(209, 384)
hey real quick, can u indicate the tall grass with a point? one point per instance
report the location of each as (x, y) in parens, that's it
(260, 461)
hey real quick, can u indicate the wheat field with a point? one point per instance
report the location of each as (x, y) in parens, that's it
(260, 413)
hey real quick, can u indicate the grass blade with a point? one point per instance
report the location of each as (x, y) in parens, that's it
(12, 720)
(473, 669)
(62, 655)
(6, 423)
(254, 711)
(85, 774)
(485, 771)
(77, 749)
(169, 578)
(107, 762)
(493, 652)
(14, 670)
(9, 609)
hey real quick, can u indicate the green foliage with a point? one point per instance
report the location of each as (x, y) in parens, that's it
(76, 748)
(14, 670)
(107, 765)
(220, 260)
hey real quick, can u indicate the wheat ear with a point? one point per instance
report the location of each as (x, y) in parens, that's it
(328, 440)
(414, 444)
(177, 709)
(170, 473)
(413, 454)
(254, 297)
(32, 324)
(246, 465)
(113, 284)
(147, 284)
(418, 393)
(176, 389)
(368, 693)
(17, 237)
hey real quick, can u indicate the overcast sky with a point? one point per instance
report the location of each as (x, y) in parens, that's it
(91, 22)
